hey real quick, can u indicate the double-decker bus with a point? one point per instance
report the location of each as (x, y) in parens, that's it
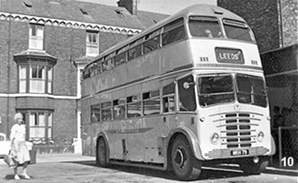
(186, 92)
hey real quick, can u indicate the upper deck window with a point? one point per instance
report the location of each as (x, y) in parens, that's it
(204, 27)
(173, 32)
(238, 30)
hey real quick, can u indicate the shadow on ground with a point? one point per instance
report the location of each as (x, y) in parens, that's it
(206, 173)
(11, 177)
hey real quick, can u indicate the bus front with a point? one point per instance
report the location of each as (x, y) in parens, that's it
(232, 105)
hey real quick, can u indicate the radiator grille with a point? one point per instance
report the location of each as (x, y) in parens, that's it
(237, 130)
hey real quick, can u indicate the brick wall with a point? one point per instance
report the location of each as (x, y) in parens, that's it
(289, 9)
(64, 129)
(67, 45)
(3, 54)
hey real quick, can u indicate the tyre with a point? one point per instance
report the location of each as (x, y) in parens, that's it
(249, 167)
(183, 163)
(102, 157)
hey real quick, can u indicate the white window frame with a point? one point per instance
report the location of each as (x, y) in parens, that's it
(41, 82)
(92, 43)
(37, 82)
(23, 78)
(36, 36)
(40, 124)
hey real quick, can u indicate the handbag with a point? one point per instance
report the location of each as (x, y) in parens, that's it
(8, 159)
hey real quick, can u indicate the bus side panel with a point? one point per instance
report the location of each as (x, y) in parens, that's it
(155, 149)
(135, 139)
(86, 140)
(114, 131)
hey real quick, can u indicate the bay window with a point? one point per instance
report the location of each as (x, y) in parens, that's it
(39, 125)
(35, 78)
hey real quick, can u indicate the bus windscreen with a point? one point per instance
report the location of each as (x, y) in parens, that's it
(204, 27)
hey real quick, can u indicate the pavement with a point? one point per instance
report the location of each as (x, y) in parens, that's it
(65, 157)
(71, 157)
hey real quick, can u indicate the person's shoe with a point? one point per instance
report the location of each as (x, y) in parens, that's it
(26, 176)
(16, 177)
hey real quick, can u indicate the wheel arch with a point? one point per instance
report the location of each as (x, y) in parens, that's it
(104, 136)
(190, 137)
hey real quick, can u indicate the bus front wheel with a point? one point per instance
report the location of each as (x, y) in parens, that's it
(248, 166)
(102, 152)
(182, 160)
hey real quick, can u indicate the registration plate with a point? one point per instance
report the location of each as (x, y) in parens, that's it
(242, 152)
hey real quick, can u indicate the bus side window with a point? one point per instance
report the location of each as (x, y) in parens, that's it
(168, 99)
(134, 106)
(95, 113)
(134, 52)
(187, 100)
(151, 44)
(151, 103)
(168, 104)
(173, 35)
(119, 109)
(173, 31)
(106, 111)
(120, 58)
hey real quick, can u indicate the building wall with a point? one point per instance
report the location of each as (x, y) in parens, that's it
(11, 42)
(289, 9)
(65, 127)
(66, 44)
(59, 43)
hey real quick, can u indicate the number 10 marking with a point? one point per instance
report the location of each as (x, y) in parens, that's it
(287, 161)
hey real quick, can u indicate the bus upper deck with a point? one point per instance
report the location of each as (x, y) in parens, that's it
(203, 36)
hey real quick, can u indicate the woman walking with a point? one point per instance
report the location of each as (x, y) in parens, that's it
(19, 148)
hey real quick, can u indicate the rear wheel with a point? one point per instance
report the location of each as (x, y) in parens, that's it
(250, 167)
(183, 163)
(102, 152)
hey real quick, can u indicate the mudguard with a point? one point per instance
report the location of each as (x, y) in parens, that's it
(103, 135)
(192, 139)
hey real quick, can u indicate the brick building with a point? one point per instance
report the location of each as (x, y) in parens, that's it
(44, 44)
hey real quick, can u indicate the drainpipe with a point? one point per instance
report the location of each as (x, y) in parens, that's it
(78, 143)
(8, 41)
(280, 22)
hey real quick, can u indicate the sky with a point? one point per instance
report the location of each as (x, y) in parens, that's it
(159, 6)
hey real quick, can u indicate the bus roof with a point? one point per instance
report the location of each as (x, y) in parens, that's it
(198, 9)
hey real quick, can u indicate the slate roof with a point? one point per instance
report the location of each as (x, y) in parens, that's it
(73, 10)
(149, 18)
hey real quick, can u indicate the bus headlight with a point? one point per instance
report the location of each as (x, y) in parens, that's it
(214, 138)
(260, 136)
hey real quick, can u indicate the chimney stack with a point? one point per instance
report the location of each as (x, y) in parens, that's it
(130, 5)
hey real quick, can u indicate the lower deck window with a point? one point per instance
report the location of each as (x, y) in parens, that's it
(40, 126)
(134, 110)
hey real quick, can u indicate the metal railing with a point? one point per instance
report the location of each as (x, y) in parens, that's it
(287, 146)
